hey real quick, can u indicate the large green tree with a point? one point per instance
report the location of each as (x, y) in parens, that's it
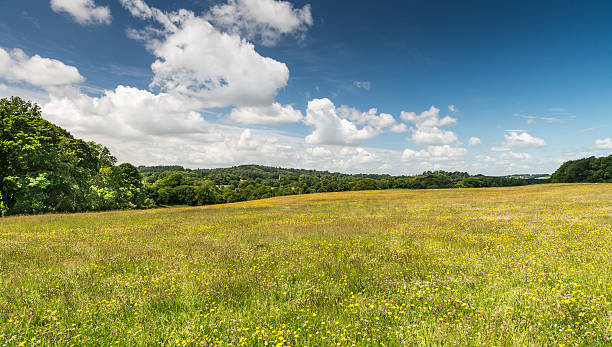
(44, 168)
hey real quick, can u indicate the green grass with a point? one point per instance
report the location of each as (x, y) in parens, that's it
(498, 266)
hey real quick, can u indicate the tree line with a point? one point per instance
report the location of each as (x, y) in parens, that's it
(590, 169)
(168, 185)
(43, 168)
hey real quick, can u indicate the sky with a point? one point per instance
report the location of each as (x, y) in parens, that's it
(398, 87)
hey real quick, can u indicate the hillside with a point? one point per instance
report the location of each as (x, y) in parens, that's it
(493, 266)
(169, 185)
(253, 172)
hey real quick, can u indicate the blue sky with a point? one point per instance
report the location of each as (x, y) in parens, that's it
(493, 87)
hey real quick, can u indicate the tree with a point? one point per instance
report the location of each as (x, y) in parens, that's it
(590, 169)
(207, 194)
(44, 168)
(365, 184)
(3, 208)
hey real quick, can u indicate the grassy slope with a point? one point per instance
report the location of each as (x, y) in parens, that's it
(496, 266)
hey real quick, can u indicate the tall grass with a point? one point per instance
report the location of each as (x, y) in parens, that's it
(498, 266)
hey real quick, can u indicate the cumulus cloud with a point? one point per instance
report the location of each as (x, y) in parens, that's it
(435, 153)
(196, 60)
(83, 11)
(603, 144)
(452, 108)
(428, 118)
(371, 117)
(428, 123)
(204, 61)
(16, 66)
(247, 141)
(266, 20)
(441, 144)
(125, 112)
(363, 84)
(332, 129)
(272, 114)
(197, 66)
(433, 136)
(474, 141)
(355, 157)
(399, 128)
(319, 152)
(513, 155)
(514, 139)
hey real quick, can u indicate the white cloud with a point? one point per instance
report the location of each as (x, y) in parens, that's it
(140, 9)
(330, 128)
(452, 108)
(603, 144)
(532, 119)
(247, 141)
(363, 84)
(144, 128)
(267, 20)
(196, 60)
(474, 141)
(16, 66)
(428, 125)
(356, 157)
(125, 112)
(83, 11)
(435, 153)
(399, 128)
(518, 139)
(199, 66)
(318, 152)
(371, 118)
(433, 136)
(513, 155)
(38, 96)
(273, 114)
(428, 118)
(523, 140)
(484, 158)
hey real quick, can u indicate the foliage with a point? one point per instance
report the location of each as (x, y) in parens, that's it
(43, 168)
(452, 267)
(168, 185)
(3, 208)
(590, 169)
(365, 184)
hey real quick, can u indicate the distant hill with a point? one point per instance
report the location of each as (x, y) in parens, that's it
(168, 185)
(224, 176)
(529, 176)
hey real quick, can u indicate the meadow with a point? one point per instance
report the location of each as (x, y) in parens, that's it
(521, 266)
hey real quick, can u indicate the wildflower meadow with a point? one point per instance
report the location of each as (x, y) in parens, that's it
(517, 266)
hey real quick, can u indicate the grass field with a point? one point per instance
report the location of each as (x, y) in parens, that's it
(498, 266)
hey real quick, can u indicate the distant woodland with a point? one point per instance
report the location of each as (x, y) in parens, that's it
(43, 168)
(584, 170)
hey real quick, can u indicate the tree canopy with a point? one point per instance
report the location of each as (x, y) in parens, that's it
(590, 169)
(43, 168)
